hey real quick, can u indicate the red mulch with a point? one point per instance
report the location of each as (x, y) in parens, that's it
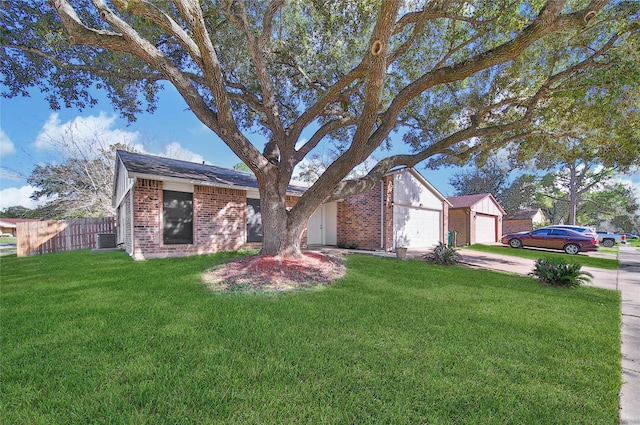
(275, 274)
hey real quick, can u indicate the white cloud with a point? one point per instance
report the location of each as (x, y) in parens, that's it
(83, 134)
(631, 181)
(176, 151)
(6, 145)
(17, 196)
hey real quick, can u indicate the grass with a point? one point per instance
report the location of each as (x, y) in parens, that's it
(98, 338)
(7, 241)
(634, 242)
(534, 254)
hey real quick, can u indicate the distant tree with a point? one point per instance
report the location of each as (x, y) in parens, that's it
(19, 212)
(487, 178)
(613, 207)
(241, 166)
(311, 170)
(598, 197)
(521, 194)
(79, 186)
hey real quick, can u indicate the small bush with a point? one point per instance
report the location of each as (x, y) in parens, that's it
(443, 255)
(557, 273)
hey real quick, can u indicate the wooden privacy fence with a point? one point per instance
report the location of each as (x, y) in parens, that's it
(42, 237)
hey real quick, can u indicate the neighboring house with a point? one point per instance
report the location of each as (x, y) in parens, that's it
(171, 208)
(166, 207)
(523, 220)
(476, 218)
(8, 225)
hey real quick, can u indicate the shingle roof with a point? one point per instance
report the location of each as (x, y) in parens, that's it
(523, 214)
(18, 220)
(150, 165)
(467, 200)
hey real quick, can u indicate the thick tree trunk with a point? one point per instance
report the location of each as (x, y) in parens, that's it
(573, 198)
(281, 232)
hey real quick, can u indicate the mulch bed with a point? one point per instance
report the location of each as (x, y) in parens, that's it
(275, 274)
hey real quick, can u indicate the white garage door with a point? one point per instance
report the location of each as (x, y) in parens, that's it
(485, 229)
(416, 228)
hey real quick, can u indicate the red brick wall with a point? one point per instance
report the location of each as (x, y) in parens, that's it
(147, 199)
(359, 218)
(219, 218)
(219, 221)
(513, 226)
(459, 221)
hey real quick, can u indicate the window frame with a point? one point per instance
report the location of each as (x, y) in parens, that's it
(185, 236)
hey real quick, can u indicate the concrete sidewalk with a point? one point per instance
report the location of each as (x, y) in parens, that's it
(627, 281)
(629, 287)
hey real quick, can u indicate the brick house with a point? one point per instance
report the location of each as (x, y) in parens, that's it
(166, 207)
(8, 226)
(476, 218)
(523, 220)
(403, 209)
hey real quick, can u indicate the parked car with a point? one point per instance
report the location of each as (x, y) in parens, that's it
(567, 240)
(631, 236)
(610, 239)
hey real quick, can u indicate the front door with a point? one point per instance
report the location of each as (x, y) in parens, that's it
(323, 225)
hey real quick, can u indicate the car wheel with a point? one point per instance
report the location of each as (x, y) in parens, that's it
(572, 249)
(608, 243)
(515, 243)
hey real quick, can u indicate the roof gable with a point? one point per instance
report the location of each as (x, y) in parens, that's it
(525, 214)
(469, 201)
(420, 179)
(14, 221)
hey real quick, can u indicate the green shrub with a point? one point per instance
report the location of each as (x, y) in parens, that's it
(443, 255)
(558, 273)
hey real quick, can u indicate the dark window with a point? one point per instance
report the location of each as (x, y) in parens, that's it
(254, 221)
(560, 232)
(177, 217)
(541, 232)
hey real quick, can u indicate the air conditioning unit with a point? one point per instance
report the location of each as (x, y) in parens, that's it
(106, 240)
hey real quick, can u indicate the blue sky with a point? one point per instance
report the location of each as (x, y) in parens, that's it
(27, 125)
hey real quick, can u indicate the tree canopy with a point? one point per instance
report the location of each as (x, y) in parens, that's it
(454, 79)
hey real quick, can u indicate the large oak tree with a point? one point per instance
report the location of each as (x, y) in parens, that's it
(449, 76)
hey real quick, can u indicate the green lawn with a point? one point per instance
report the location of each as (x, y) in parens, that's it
(4, 241)
(98, 338)
(634, 242)
(534, 254)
